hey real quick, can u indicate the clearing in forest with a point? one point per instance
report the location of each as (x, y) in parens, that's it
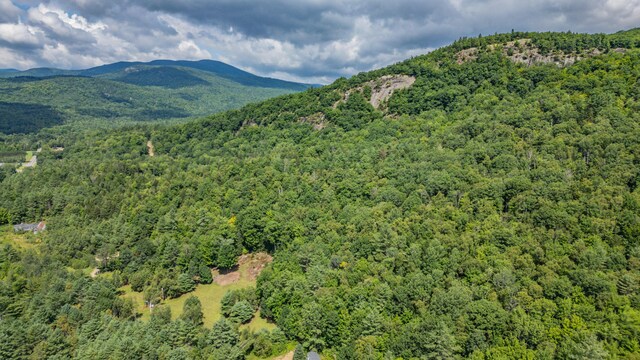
(23, 241)
(249, 267)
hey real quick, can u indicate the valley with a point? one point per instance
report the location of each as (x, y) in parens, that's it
(128, 93)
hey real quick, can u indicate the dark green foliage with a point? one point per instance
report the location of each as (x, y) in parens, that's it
(211, 66)
(25, 118)
(232, 297)
(241, 312)
(185, 283)
(161, 76)
(299, 353)
(204, 274)
(127, 93)
(222, 334)
(192, 311)
(5, 217)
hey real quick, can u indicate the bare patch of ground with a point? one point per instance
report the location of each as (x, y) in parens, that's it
(287, 356)
(228, 278)
(248, 269)
(151, 149)
(254, 263)
(94, 272)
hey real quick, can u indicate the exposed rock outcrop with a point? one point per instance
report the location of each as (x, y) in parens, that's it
(524, 52)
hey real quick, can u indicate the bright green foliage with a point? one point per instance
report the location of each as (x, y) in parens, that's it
(161, 315)
(267, 343)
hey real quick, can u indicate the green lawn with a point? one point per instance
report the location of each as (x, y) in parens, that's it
(258, 323)
(209, 295)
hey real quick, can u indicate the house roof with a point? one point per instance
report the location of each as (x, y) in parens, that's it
(30, 227)
(24, 227)
(312, 355)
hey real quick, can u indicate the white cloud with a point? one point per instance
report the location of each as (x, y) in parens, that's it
(11, 58)
(8, 11)
(20, 34)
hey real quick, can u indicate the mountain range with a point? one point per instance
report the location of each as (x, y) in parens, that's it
(128, 92)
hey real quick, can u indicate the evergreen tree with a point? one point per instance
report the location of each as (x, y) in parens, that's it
(185, 283)
(192, 311)
(299, 353)
(241, 312)
(222, 333)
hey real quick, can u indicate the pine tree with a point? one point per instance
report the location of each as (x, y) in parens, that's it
(222, 333)
(299, 353)
(185, 283)
(192, 311)
(241, 312)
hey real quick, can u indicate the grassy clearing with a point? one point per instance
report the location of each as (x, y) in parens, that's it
(28, 156)
(137, 299)
(24, 241)
(258, 323)
(209, 295)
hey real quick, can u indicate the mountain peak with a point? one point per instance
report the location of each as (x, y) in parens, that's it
(214, 67)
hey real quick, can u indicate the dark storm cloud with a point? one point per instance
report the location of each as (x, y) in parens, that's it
(314, 40)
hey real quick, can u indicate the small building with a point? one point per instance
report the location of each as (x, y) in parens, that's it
(35, 228)
(41, 226)
(312, 355)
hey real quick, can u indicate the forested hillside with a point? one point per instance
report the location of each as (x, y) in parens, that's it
(127, 93)
(488, 209)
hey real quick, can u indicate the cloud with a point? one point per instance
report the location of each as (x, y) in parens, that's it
(20, 35)
(8, 11)
(305, 40)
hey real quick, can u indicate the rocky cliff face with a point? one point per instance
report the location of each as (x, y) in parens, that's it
(524, 52)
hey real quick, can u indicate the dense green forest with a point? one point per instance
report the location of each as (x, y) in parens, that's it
(491, 210)
(128, 93)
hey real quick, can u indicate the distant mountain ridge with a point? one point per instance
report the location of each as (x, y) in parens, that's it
(128, 92)
(211, 66)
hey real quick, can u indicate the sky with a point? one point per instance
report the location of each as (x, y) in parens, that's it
(314, 41)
